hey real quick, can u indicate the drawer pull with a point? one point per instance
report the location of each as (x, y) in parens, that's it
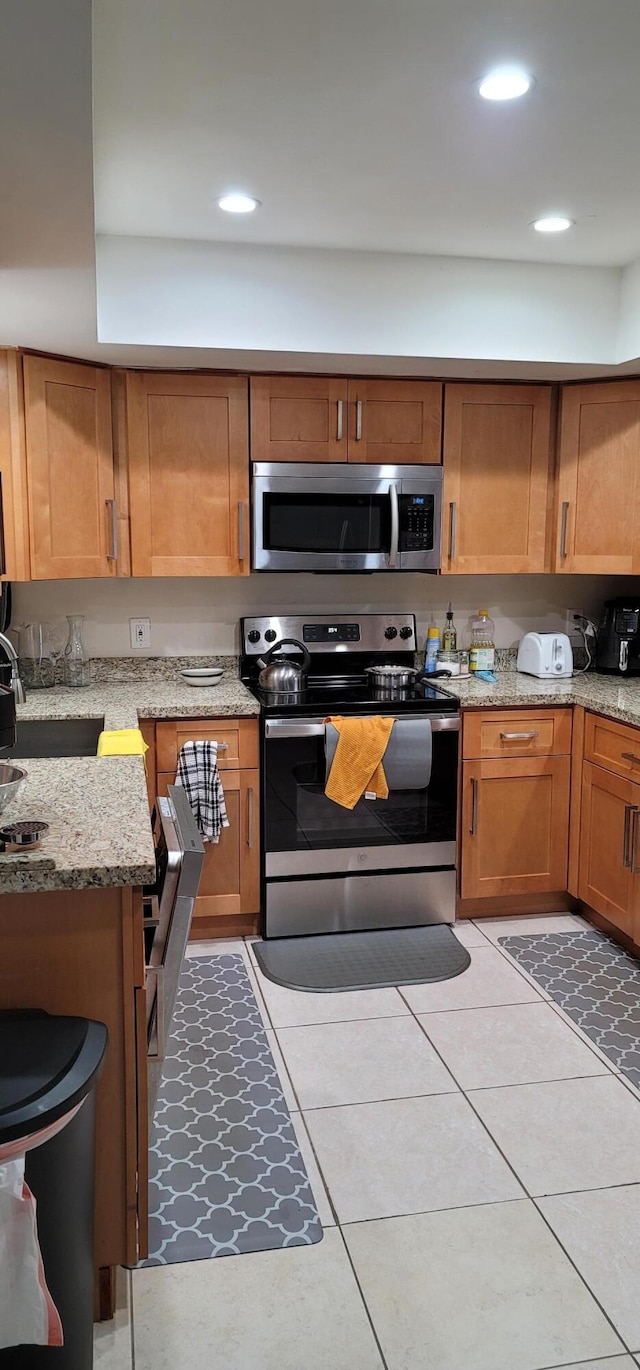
(517, 737)
(223, 746)
(474, 807)
(630, 756)
(250, 817)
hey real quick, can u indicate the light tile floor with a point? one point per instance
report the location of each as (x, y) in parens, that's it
(475, 1165)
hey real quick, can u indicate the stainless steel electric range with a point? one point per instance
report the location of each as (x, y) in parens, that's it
(386, 863)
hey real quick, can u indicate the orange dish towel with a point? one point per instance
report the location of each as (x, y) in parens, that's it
(357, 764)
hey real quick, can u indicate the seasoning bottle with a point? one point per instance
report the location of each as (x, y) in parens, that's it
(432, 649)
(482, 649)
(450, 636)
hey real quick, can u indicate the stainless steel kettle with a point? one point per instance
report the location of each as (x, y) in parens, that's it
(280, 674)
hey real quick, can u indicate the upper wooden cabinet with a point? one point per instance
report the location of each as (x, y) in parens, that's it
(70, 473)
(188, 474)
(395, 421)
(302, 418)
(14, 521)
(298, 418)
(598, 494)
(497, 458)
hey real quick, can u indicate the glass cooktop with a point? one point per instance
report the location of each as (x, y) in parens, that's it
(355, 697)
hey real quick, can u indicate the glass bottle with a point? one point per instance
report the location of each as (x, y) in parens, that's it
(77, 668)
(482, 652)
(450, 635)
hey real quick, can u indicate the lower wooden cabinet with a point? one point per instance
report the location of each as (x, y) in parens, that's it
(230, 882)
(609, 848)
(515, 826)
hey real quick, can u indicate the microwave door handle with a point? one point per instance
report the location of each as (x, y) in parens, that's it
(395, 525)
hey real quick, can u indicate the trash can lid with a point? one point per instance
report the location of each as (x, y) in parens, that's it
(47, 1066)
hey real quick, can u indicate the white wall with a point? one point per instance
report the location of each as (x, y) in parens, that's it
(200, 616)
(178, 293)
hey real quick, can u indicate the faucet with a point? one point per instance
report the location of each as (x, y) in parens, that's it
(16, 683)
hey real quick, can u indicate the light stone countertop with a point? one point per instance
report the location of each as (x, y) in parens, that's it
(97, 807)
(607, 695)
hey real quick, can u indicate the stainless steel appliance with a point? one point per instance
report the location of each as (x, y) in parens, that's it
(279, 674)
(618, 637)
(385, 863)
(346, 518)
(168, 910)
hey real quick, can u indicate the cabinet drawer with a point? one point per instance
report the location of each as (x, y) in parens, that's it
(516, 732)
(612, 745)
(237, 740)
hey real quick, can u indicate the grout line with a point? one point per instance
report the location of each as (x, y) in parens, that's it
(587, 1286)
(356, 1277)
(320, 1170)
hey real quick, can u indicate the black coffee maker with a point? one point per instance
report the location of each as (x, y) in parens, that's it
(618, 638)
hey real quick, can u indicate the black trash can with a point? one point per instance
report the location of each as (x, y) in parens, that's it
(48, 1070)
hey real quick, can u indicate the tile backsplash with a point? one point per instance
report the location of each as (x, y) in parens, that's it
(193, 617)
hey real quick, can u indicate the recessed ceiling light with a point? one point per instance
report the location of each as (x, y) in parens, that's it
(553, 223)
(237, 203)
(506, 83)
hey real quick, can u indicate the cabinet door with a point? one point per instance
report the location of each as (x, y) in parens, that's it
(14, 522)
(230, 881)
(515, 826)
(497, 452)
(188, 475)
(610, 816)
(298, 418)
(395, 421)
(598, 521)
(69, 470)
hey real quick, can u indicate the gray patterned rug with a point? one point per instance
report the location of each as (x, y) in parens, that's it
(595, 982)
(225, 1170)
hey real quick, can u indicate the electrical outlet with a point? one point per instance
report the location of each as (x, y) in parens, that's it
(140, 629)
(570, 624)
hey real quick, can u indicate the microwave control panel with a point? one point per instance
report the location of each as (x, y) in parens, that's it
(416, 523)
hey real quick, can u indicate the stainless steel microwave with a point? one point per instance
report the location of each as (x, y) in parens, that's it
(327, 517)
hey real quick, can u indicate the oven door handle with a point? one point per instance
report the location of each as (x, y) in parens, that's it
(315, 727)
(395, 525)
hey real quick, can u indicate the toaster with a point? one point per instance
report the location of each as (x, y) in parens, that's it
(545, 655)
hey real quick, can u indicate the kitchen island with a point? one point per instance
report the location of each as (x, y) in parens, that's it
(71, 918)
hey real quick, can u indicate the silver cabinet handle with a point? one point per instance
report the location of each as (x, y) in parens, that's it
(563, 528)
(633, 863)
(630, 756)
(241, 546)
(517, 737)
(223, 746)
(339, 428)
(250, 817)
(358, 420)
(453, 529)
(3, 558)
(395, 525)
(112, 505)
(626, 858)
(474, 807)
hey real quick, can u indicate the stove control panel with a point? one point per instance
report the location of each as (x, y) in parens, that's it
(386, 632)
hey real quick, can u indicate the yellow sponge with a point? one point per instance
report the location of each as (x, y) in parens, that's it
(122, 742)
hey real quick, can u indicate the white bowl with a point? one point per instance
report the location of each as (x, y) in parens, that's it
(202, 682)
(201, 672)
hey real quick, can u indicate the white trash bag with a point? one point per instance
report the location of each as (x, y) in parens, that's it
(27, 1311)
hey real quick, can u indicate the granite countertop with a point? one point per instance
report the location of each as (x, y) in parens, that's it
(603, 694)
(97, 807)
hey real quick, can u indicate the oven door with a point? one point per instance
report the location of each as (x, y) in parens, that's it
(310, 518)
(308, 834)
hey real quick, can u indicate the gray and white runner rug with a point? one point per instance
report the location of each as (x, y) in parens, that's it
(595, 982)
(225, 1170)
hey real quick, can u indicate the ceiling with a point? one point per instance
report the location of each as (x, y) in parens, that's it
(358, 125)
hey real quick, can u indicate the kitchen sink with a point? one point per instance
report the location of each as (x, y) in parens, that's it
(57, 737)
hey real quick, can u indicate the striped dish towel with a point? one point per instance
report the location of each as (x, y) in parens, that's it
(200, 778)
